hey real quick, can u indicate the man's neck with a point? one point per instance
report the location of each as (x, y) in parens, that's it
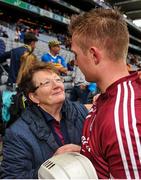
(53, 54)
(112, 75)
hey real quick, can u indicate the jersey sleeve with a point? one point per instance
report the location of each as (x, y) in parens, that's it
(45, 58)
(63, 62)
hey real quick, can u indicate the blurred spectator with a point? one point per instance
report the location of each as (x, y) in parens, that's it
(134, 61)
(15, 55)
(2, 46)
(70, 65)
(17, 35)
(80, 90)
(3, 57)
(54, 57)
(2, 67)
(36, 31)
(68, 43)
(94, 90)
(1, 31)
(5, 35)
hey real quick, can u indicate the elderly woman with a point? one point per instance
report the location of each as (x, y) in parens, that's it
(51, 124)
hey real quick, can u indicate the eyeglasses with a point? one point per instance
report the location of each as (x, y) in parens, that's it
(48, 82)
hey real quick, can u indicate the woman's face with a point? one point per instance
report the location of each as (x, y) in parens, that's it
(50, 89)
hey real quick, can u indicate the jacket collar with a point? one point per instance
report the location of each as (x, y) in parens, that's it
(36, 122)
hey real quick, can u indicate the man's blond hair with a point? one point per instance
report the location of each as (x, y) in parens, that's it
(104, 28)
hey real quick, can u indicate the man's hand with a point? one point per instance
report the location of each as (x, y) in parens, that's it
(68, 148)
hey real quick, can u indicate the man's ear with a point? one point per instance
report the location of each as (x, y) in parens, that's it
(95, 54)
(33, 98)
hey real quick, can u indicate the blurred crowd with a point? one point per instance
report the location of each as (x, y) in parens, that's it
(48, 7)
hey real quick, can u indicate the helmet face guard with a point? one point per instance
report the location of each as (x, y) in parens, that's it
(67, 166)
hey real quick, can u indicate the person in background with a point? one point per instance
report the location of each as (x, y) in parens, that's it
(49, 125)
(3, 66)
(80, 89)
(2, 47)
(112, 130)
(54, 57)
(94, 90)
(70, 65)
(27, 61)
(22, 33)
(17, 34)
(15, 55)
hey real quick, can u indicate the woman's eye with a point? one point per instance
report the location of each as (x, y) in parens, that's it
(58, 80)
(47, 82)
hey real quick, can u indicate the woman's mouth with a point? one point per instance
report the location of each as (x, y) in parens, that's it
(57, 93)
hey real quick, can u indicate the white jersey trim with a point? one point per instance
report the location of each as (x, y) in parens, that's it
(127, 131)
(134, 121)
(118, 133)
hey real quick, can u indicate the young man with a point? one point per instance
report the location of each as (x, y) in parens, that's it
(112, 130)
(54, 57)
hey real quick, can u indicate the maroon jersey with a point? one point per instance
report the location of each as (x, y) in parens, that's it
(112, 130)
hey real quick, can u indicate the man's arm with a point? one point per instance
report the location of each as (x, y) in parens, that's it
(5, 56)
(45, 58)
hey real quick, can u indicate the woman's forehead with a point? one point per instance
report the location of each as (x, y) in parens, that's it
(44, 74)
